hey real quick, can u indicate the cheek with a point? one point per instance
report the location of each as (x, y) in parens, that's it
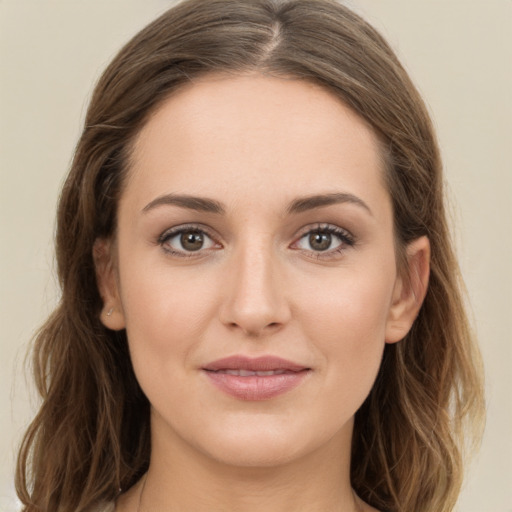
(166, 314)
(354, 306)
(346, 323)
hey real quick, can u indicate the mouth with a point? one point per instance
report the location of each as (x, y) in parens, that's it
(255, 379)
(248, 373)
(254, 364)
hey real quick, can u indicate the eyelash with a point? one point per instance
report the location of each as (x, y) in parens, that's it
(164, 238)
(346, 239)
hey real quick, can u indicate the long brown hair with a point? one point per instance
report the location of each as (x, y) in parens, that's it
(91, 436)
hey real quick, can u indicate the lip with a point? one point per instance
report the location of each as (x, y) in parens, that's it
(255, 387)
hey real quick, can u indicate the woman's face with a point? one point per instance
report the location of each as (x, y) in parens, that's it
(255, 224)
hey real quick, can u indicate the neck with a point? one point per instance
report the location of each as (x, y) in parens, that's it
(181, 478)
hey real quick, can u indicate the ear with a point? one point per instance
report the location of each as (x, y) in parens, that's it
(409, 291)
(112, 315)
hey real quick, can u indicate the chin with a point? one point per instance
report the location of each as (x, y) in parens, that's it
(258, 452)
(254, 443)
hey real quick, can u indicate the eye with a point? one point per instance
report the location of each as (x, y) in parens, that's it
(324, 239)
(184, 241)
(319, 241)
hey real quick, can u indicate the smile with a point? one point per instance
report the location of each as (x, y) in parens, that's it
(248, 373)
(255, 379)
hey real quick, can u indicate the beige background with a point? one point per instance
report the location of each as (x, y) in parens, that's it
(459, 54)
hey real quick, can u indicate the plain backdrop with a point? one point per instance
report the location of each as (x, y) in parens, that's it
(459, 55)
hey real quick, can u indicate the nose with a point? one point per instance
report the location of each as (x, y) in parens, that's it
(255, 300)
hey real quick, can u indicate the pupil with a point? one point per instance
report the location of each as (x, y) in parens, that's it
(192, 241)
(320, 241)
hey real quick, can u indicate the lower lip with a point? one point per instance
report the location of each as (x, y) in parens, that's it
(256, 387)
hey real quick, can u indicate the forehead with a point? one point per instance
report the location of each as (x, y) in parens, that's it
(253, 135)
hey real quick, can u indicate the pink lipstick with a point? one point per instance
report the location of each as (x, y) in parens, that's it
(260, 378)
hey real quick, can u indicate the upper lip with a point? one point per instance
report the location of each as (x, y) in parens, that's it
(263, 363)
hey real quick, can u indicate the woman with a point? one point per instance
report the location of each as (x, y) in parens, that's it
(260, 303)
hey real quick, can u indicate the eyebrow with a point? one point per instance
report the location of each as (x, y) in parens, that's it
(317, 201)
(201, 204)
(302, 204)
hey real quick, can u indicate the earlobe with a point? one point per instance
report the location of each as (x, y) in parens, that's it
(410, 290)
(112, 315)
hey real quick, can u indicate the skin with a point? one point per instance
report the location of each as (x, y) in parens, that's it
(256, 287)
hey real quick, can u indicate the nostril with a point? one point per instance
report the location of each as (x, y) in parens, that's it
(256, 330)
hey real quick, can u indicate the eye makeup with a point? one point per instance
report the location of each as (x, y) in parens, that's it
(188, 241)
(325, 241)
(319, 241)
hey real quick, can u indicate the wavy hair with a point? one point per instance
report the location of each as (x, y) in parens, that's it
(91, 436)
